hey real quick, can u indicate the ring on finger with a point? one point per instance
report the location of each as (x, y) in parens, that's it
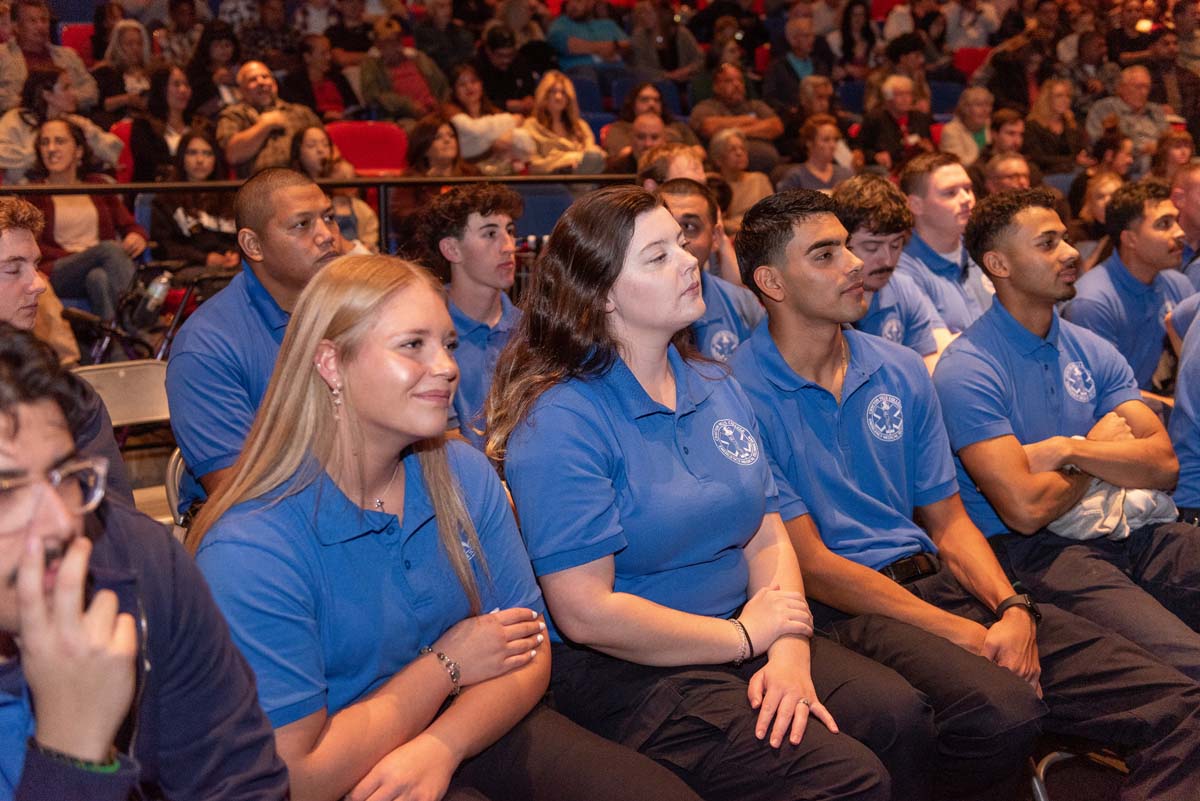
(806, 702)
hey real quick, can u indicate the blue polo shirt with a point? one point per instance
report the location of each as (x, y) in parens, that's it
(599, 469)
(592, 30)
(999, 378)
(328, 601)
(1184, 425)
(900, 312)
(859, 467)
(220, 365)
(1191, 265)
(730, 314)
(1128, 313)
(1184, 313)
(958, 289)
(479, 346)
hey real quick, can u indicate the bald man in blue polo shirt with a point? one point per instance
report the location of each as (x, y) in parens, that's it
(1039, 409)
(1128, 296)
(852, 429)
(224, 354)
(941, 197)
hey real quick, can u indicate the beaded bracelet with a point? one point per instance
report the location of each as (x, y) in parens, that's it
(452, 669)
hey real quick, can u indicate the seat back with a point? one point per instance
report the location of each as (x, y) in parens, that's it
(968, 59)
(544, 204)
(123, 130)
(852, 95)
(587, 92)
(78, 37)
(944, 96)
(135, 392)
(374, 148)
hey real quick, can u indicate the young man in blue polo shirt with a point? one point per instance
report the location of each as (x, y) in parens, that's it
(1126, 298)
(224, 354)
(117, 674)
(1044, 418)
(470, 237)
(852, 429)
(941, 198)
(730, 312)
(877, 216)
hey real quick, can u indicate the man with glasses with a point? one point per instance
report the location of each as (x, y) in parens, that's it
(116, 667)
(21, 287)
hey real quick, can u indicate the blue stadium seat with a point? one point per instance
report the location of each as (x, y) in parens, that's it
(597, 120)
(852, 95)
(944, 96)
(1060, 180)
(587, 92)
(544, 204)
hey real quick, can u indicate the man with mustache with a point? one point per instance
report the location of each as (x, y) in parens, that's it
(223, 356)
(877, 217)
(21, 288)
(1127, 296)
(117, 673)
(1057, 452)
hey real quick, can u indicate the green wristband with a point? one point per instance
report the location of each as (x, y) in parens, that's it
(112, 766)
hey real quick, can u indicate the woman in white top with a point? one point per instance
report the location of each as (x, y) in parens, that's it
(969, 131)
(47, 95)
(563, 142)
(490, 138)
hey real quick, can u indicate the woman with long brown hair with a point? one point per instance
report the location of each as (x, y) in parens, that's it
(648, 507)
(563, 141)
(373, 576)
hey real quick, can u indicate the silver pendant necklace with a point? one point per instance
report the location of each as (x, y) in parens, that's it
(379, 501)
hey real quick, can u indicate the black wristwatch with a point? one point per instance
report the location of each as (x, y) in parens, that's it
(1023, 601)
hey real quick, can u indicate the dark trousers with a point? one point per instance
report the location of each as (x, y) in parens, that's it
(697, 721)
(546, 757)
(1145, 587)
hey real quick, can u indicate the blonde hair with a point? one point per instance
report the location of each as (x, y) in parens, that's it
(1041, 113)
(113, 54)
(1094, 185)
(571, 119)
(296, 420)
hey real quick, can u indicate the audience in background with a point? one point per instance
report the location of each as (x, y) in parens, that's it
(196, 226)
(492, 139)
(731, 108)
(154, 136)
(33, 50)
(820, 137)
(123, 77)
(969, 133)
(89, 241)
(728, 152)
(316, 85)
(563, 142)
(402, 83)
(1138, 118)
(1173, 150)
(1052, 140)
(257, 132)
(48, 94)
(660, 48)
(212, 72)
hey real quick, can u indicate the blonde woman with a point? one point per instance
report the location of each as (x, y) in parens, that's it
(373, 575)
(123, 77)
(969, 132)
(564, 142)
(1053, 142)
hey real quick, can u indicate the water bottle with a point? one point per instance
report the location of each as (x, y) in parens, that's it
(152, 301)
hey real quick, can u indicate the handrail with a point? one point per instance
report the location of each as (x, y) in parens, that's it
(381, 183)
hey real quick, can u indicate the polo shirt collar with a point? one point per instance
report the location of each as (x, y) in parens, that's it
(265, 305)
(1025, 341)
(1124, 280)
(338, 519)
(691, 388)
(863, 362)
(468, 325)
(920, 250)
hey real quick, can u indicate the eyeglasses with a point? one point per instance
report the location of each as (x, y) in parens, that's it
(79, 484)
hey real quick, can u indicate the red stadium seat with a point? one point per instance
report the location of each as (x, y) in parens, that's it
(880, 8)
(762, 57)
(78, 37)
(374, 148)
(969, 59)
(935, 133)
(123, 129)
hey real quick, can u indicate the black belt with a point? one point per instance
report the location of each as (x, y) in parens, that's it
(911, 568)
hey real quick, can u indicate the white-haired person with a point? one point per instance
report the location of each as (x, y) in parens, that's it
(729, 152)
(373, 576)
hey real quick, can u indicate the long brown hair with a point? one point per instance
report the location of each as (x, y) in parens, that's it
(564, 332)
(296, 419)
(570, 115)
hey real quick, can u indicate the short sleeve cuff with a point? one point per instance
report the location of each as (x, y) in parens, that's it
(934, 494)
(1117, 397)
(960, 439)
(297, 711)
(793, 509)
(565, 560)
(215, 463)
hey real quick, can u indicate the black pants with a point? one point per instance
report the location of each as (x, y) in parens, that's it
(1145, 587)
(546, 757)
(1096, 685)
(698, 722)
